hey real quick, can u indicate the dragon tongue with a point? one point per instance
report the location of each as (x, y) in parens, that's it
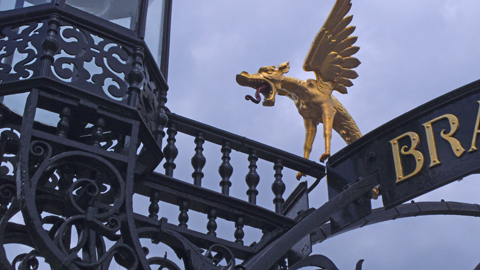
(257, 97)
(262, 88)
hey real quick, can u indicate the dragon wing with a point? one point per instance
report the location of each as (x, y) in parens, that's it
(330, 53)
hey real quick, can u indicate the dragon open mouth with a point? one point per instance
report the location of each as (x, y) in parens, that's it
(264, 89)
(261, 86)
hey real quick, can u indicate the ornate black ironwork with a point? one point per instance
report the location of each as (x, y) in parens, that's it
(92, 62)
(22, 40)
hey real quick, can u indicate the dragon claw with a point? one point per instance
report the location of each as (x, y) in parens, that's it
(299, 175)
(324, 157)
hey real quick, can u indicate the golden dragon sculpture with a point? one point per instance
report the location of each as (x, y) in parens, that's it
(330, 58)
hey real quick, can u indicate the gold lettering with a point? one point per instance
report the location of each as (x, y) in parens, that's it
(415, 140)
(454, 143)
(475, 132)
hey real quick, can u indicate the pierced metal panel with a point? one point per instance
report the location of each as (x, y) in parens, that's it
(92, 62)
(20, 50)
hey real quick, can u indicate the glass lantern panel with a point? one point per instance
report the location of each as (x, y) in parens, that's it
(121, 12)
(14, 4)
(154, 28)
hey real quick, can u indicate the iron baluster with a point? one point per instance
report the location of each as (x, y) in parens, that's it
(170, 151)
(278, 187)
(97, 135)
(50, 45)
(252, 177)
(162, 118)
(198, 160)
(153, 209)
(63, 125)
(239, 233)
(226, 168)
(183, 216)
(212, 223)
(136, 76)
(7, 192)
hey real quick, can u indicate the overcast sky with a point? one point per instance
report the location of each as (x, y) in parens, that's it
(411, 52)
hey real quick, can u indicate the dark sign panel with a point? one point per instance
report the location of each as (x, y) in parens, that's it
(417, 152)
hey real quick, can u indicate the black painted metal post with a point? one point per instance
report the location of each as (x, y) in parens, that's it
(170, 151)
(198, 160)
(183, 216)
(153, 209)
(239, 233)
(50, 45)
(161, 117)
(278, 187)
(136, 76)
(252, 177)
(225, 168)
(212, 224)
(64, 124)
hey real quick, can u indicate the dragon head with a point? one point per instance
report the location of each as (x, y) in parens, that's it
(267, 81)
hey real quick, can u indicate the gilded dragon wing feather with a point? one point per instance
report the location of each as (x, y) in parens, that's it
(330, 55)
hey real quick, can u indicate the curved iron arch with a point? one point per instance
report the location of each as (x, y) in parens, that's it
(412, 209)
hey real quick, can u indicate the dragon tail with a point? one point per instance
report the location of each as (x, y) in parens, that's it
(344, 124)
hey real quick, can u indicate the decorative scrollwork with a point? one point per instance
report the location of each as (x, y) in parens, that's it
(39, 152)
(193, 256)
(13, 233)
(90, 205)
(7, 191)
(92, 62)
(163, 263)
(222, 253)
(9, 142)
(315, 260)
(19, 47)
(84, 194)
(27, 261)
(320, 261)
(85, 233)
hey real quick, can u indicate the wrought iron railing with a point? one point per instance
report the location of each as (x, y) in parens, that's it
(191, 196)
